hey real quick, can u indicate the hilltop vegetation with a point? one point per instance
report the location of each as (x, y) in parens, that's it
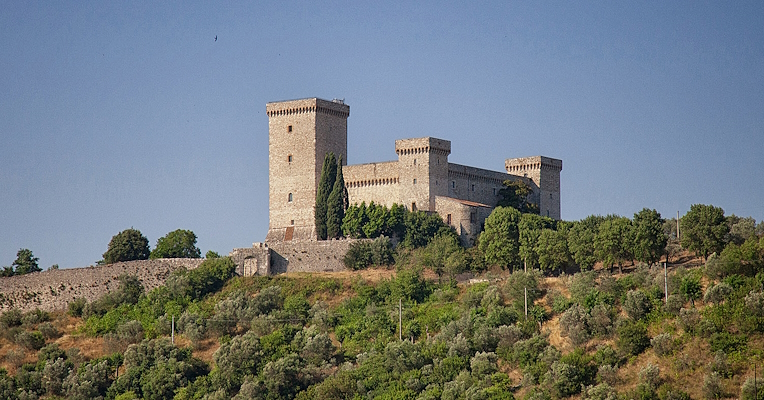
(590, 331)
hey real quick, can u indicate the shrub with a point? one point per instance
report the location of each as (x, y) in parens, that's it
(11, 318)
(751, 390)
(600, 320)
(48, 330)
(728, 342)
(674, 304)
(637, 304)
(720, 365)
(607, 374)
(689, 319)
(712, 386)
(30, 340)
(53, 375)
(717, 293)
(573, 324)
(603, 391)
(662, 344)
(632, 338)
(650, 375)
(76, 306)
(34, 317)
(754, 303)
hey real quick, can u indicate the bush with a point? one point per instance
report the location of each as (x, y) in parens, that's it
(650, 375)
(751, 390)
(603, 391)
(674, 304)
(754, 303)
(727, 342)
(712, 386)
(689, 318)
(364, 253)
(34, 317)
(600, 319)
(11, 318)
(717, 293)
(720, 365)
(76, 306)
(48, 330)
(30, 340)
(637, 304)
(632, 338)
(573, 324)
(662, 344)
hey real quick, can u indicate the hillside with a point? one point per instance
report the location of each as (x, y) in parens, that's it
(335, 335)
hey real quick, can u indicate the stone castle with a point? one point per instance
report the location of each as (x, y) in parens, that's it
(301, 132)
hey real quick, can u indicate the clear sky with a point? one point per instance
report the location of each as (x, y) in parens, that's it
(129, 114)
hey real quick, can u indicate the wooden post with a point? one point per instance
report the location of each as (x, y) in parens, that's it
(526, 303)
(665, 281)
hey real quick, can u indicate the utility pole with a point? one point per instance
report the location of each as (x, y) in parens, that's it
(400, 320)
(677, 225)
(172, 334)
(665, 281)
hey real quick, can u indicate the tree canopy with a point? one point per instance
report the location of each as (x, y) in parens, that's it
(649, 238)
(703, 229)
(325, 186)
(179, 243)
(499, 242)
(336, 204)
(515, 194)
(25, 263)
(127, 245)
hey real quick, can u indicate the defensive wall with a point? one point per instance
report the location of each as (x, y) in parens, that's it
(291, 256)
(55, 289)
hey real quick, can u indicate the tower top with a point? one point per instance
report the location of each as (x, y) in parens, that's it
(335, 107)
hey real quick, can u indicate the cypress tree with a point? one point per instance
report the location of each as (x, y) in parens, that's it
(325, 186)
(336, 205)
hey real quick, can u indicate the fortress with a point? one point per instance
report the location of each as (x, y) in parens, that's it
(301, 132)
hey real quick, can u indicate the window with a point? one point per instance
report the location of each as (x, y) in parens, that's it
(415, 181)
(473, 217)
(289, 129)
(415, 161)
(289, 158)
(413, 206)
(473, 187)
(291, 222)
(290, 197)
(448, 219)
(494, 191)
(453, 184)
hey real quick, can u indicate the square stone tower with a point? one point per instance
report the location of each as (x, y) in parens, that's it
(544, 173)
(300, 134)
(423, 171)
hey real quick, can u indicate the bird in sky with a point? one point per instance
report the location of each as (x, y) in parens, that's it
(216, 38)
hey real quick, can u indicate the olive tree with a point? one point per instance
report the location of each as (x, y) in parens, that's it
(127, 245)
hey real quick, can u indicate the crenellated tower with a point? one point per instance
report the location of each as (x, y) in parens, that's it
(300, 134)
(544, 174)
(423, 171)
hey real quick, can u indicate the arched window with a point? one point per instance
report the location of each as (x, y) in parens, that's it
(290, 197)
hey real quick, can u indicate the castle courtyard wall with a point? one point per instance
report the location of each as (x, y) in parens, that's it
(377, 182)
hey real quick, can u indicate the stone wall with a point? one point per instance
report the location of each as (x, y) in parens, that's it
(377, 182)
(255, 260)
(54, 290)
(308, 256)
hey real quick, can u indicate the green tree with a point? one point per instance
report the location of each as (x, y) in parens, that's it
(649, 238)
(325, 186)
(179, 243)
(25, 262)
(529, 229)
(515, 194)
(336, 204)
(354, 221)
(443, 255)
(499, 242)
(703, 229)
(581, 239)
(612, 243)
(552, 249)
(127, 245)
(421, 227)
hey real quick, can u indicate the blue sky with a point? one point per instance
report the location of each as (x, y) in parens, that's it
(129, 114)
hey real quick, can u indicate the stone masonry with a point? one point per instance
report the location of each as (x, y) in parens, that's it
(301, 132)
(55, 289)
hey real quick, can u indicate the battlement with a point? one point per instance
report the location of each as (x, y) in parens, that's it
(312, 105)
(423, 145)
